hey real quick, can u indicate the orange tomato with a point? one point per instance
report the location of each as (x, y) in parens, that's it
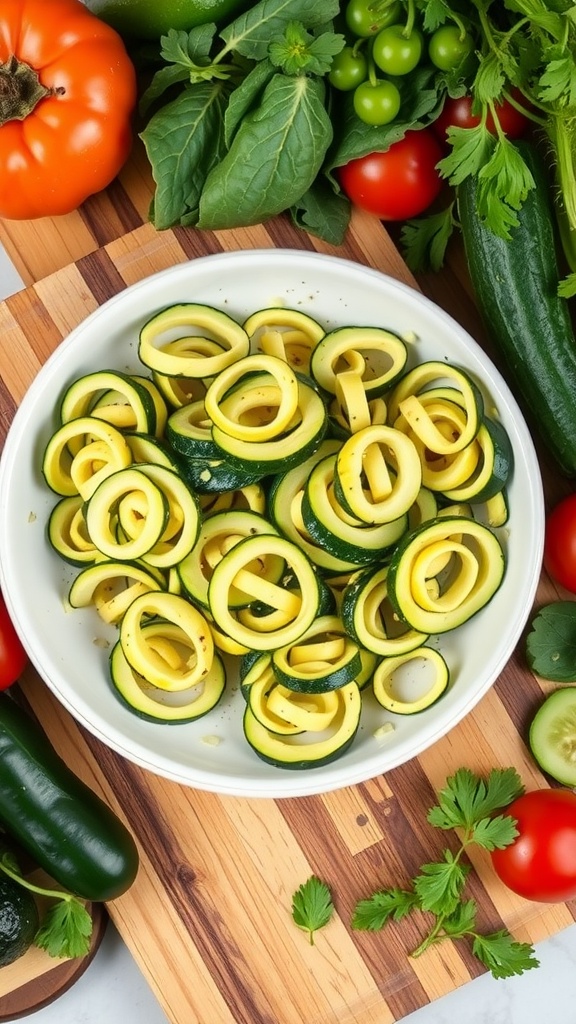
(67, 92)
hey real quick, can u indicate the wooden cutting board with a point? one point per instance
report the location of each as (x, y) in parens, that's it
(208, 919)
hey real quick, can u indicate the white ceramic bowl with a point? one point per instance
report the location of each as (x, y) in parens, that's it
(61, 643)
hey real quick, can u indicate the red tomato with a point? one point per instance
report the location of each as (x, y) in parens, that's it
(397, 184)
(560, 543)
(13, 657)
(541, 863)
(457, 113)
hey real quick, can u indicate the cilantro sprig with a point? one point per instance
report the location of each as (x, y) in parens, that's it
(66, 927)
(473, 807)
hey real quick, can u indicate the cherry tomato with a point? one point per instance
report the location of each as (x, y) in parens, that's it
(560, 543)
(396, 53)
(376, 102)
(397, 184)
(366, 17)
(449, 46)
(13, 658)
(457, 113)
(348, 69)
(541, 862)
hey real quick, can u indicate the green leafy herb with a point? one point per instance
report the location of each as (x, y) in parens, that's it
(470, 804)
(424, 240)
(66, 928)
(312, 906)
(299, 52)
(551, 642)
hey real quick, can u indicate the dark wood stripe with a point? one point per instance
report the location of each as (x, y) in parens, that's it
(222, 956)
(285, 234)
(110, 214)
(7, 411)
(197, 243)
(101, 275)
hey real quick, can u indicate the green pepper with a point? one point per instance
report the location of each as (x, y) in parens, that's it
(57, 819)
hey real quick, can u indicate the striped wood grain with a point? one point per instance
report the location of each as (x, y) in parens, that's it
(209, 917)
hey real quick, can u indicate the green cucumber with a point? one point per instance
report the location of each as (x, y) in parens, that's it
(62, 824)
(552, 735)
(516, 290)
(19, 920)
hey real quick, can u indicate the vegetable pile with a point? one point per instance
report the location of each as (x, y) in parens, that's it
(306, 500)
(278, 101)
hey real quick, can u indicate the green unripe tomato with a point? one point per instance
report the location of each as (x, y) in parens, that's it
(376, 103)
(349, 68)
(366, 17)
(396, 53)
(150, 19)
(448, 47)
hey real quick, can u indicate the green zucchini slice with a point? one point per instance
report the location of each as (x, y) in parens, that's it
(287, 450)
(376, 354)
(407, 406)
(323, 658)
(175, 658)
(81, 454)
(68, 533)
(405, 696)
(154, 704)
(115, 397)
(464, 557)
(333, 529)
(297, 608)
(552, 735)
(310, 749)
(368, 616)
(172, 342)
(111, 587)
(218, 534)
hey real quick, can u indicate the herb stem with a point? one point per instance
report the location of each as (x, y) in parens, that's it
(38, 889)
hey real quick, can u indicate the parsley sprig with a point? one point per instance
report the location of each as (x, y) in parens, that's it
(312, 906)
(66, 927)
(473, 807)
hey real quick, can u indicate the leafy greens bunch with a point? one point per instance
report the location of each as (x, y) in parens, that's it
(525, 54)
(254, 129)
(66, 926)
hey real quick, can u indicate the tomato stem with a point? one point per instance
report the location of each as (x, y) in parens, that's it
(20, 90)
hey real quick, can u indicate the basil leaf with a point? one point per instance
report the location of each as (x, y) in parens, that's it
(184, 140)
(245, 96)
(551, 643)
(275, 156)
(322, 212)
(252, 32)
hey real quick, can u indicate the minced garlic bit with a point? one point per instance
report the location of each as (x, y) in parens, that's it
(383, 730)
(212, 741)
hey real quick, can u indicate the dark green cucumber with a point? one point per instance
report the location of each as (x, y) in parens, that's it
(516, 284)
(54, 816)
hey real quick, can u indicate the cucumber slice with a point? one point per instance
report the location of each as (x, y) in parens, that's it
(552, 735)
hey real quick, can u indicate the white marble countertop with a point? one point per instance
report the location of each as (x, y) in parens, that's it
(114, 990)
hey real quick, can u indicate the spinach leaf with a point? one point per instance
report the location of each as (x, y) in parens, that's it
(322, 212)
(251, 33)
(184, 141)
(275, 155)
(246, 96)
